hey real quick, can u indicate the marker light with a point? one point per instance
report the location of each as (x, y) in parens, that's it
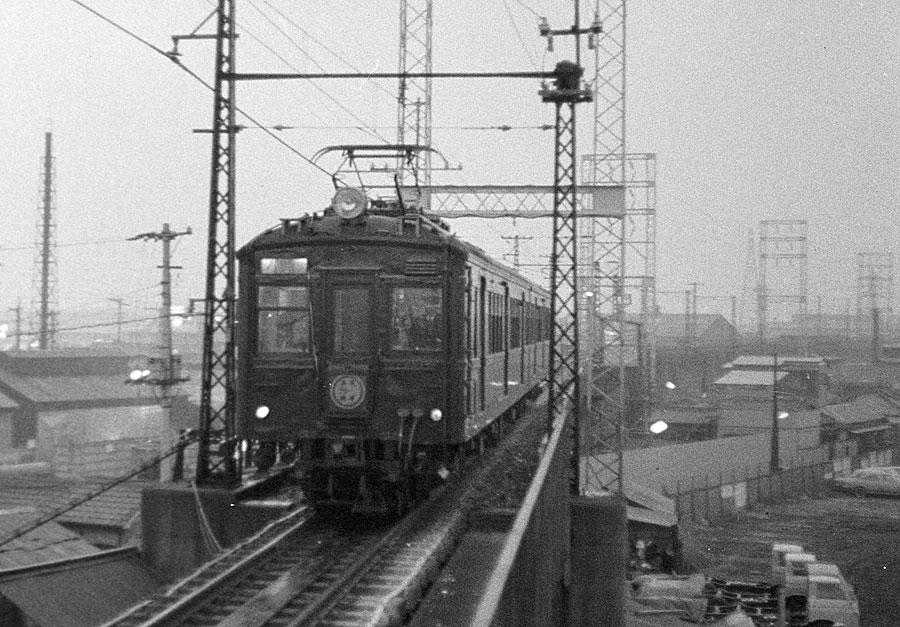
(658, 427)
(349, 202)
(135, 375)
(262, 411)
(436, 415)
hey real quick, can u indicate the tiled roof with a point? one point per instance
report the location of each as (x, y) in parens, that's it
(61, 389)
(80, 592)
(48, 543)
(868, 408)
(116, 507)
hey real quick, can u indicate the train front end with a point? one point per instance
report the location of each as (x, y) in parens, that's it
(348, 365)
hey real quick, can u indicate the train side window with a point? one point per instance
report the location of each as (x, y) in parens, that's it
(283, 320)
(351, 319)
(515, 323)
(416, 322)
(283, 265)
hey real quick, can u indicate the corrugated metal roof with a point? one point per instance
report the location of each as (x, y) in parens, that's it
(115, 508)
(647, 498)
(749, 378)
(48, 543)
(766, 361)
(870, 429)
(651, 516)
(82, 592)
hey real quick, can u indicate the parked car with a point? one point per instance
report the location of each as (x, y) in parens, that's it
(874, 480)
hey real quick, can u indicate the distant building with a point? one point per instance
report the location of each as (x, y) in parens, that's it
(703, 330)
(690, 350)
(871, 421)
(687, 422)
(801, 380)
(74, 410)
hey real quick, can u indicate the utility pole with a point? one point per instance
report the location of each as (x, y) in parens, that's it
(45, 270)
(516, 249)
(121, 303)
(164, 374)
(18, 310)
(775, 456)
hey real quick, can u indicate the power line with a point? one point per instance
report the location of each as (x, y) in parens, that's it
(321, 90)
(333, 53)
(171, 56)
(528, 50)
(70, 245)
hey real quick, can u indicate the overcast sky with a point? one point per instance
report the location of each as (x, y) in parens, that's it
(756, 110)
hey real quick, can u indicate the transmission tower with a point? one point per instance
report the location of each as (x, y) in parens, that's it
(618, 206)
(874, 286)
(611, 344)
(782, 281)
(414, 95)
(749, 286)
(45, 305)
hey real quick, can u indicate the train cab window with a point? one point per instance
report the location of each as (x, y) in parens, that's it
(351, 319)
(283, 319)
(283, 265)
(416, 318)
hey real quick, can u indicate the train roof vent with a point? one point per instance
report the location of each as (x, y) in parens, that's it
(421, 266)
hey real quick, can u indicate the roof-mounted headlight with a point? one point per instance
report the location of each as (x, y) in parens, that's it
(349, 203)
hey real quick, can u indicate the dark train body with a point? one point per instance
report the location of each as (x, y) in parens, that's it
(376, 350)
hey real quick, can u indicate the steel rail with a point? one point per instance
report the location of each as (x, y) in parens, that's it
(180, 606)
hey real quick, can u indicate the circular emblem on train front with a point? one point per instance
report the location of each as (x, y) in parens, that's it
(348, 391)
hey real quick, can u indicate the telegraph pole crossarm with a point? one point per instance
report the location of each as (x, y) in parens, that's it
(165, 373)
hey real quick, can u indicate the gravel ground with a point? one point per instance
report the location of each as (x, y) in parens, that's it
(860, 535)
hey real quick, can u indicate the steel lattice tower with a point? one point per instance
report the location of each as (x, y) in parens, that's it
(610, 342)
(565, 397)
(45, 304)
(615, 223)
(217, 457)
(414, 95)
(874, 286)
(782, 276)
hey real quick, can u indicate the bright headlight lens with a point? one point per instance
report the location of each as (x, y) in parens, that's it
(262, 411)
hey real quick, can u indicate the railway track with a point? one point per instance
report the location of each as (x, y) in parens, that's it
(303, 570)
(308, 570)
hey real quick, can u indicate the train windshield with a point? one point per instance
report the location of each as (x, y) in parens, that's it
(416, 318)
(284, 320)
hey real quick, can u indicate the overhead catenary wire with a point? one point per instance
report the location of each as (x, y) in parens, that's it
(366, 128)
(174, 59)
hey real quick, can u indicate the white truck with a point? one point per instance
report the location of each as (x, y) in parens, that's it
(813, 593)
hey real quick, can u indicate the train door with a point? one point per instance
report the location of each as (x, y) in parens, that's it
(349, 349)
